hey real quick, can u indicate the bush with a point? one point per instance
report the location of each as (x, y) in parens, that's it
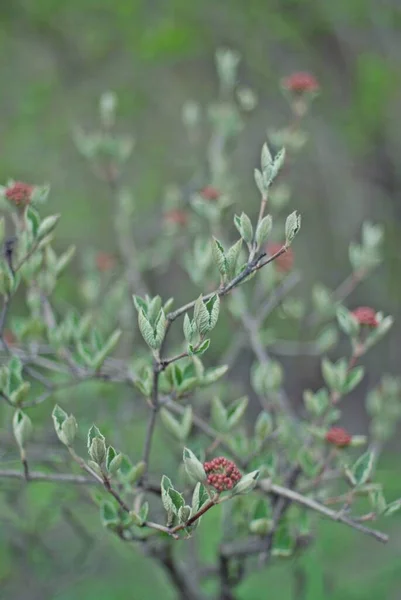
(273, 474)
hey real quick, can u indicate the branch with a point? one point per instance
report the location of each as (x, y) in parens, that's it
(152, 421)
(252, 266)
(51, 477)
(294, 496)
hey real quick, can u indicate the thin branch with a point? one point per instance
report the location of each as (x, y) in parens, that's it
(51, 477)
(252, 266)
(294, 496)
(152, 421)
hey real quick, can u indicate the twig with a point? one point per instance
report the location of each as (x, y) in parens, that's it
(151, 422)
(252, 266)
(51, 477)
(294, 496)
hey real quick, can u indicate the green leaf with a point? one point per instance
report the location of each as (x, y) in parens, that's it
(232, 256)
(263, 230)
(263, 426)
(284, 543)
(354, 377)
(262, 187)
(59, 416)
(193, 466)
(292, 226)
(97, 450)
(392, 508)
(201, 316)
(310, 466)
(113, 460)
(171, 424)
(144, 511)
(247, 483)
(219, 257)
(22, 428)
(177, 500)
(108, 514)
(244, 226)
(199, 497)
(363, 468)
(219, 415)
(213, 308)
(347, 322)
(92, 434)
(236, 411)
(199, 350)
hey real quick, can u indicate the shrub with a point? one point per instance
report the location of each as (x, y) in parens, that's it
(276, 473)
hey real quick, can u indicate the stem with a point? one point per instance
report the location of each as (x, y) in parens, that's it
(212, 502)
(152, 421)
(294, 496)
(52, 477)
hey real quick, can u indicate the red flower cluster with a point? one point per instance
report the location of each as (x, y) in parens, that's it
(285, 261)
(19, 193)
(210, 193)
(338, 437)
(9, 337)
(366, 316)
(176, 216)
(222, 473)
(300, 83)
(104, 261)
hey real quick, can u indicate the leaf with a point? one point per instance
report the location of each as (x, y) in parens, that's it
(92, 434)
(232, 256)
(266, 158)
(201, 316)
(363, 467)
(146, 330)
(186, 423)
(219, 257)
(171, 423)
(199, 497)
(199, 350)
(263, 230)
(236, 411)
(292, 226)
(263, 426)
(260, 183)
(166, 485)
(177, 500)
(353, 379)
(392, 508)
(283, 544)
(108, 514)
(308, 463)
(213, 308)
(140, 304)
(22, 428)
(193, 466)
(247, 483)
(219, 415)
(347, 322)
(59, 416)
(246, 228)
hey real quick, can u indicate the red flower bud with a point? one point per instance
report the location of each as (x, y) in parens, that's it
(285, 261)
(300, 83)
(104, 261)
(222, 474)
(176, 216)
(366, 316)
(210, 193)
(19, 193)
(338, 437)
